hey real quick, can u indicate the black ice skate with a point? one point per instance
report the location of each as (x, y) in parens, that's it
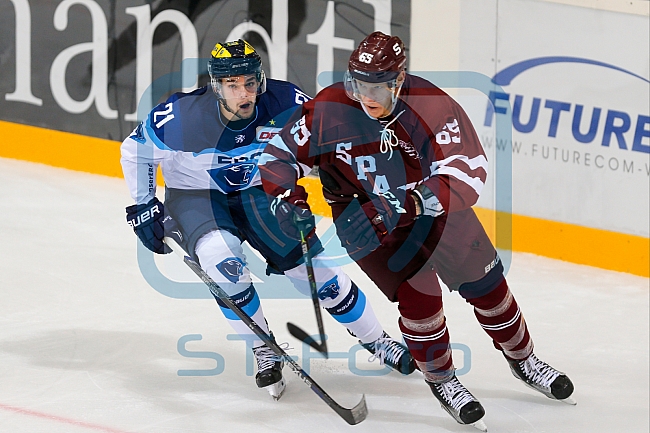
(392, 353)
(459, 402)
(541, 377)
(269, 371)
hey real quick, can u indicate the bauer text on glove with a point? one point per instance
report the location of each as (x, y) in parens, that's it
(149, 223)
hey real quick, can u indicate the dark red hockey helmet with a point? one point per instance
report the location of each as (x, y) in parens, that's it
(378, 58)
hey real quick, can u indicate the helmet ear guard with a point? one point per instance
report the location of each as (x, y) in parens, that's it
(235, 58)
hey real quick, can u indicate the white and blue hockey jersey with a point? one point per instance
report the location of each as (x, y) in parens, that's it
(197, 151)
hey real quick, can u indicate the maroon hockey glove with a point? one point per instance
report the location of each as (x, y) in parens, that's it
(293, 213)
(364, 227)
(361, 228)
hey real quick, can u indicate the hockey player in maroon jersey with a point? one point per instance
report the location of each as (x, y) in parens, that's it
(401, 166)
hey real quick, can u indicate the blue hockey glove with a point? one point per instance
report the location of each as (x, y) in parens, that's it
(150, 223)
(293, 213)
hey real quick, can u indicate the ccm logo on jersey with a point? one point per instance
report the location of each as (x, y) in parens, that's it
(264, 133)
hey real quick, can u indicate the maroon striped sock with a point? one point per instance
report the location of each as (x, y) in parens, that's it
(500, 316)
(424, 329)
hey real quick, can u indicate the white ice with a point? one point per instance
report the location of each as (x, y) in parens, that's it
(86, 345)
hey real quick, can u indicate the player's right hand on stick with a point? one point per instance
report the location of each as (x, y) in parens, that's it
(150, 223)
(293, 213)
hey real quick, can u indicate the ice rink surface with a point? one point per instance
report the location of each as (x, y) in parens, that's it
(86, 345)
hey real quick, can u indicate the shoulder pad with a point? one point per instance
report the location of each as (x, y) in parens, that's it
(285, 93)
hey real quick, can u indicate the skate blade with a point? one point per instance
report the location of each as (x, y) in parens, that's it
(480, 425)
(569, 400)
(276, 390)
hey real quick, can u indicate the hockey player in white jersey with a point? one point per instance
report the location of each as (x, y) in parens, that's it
(208, 142)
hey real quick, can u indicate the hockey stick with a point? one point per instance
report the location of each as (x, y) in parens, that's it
(352, 416)
(295, 330)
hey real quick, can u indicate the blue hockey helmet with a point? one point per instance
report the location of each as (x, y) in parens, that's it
(233, 59)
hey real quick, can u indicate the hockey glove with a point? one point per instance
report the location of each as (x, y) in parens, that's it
(365, 226)
(361, 228)
(426, 202)
(149, 222)
(293, 213)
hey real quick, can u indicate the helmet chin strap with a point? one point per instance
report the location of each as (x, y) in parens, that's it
(228, 109)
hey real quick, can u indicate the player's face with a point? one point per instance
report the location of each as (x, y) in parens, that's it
(239, 93)
(377, 98)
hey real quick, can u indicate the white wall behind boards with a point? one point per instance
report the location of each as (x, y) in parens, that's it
(574, 80)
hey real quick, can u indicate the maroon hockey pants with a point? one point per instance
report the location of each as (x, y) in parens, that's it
(423, 326)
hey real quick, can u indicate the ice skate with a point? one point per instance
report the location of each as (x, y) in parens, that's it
(269, 371)
(459, 402)
(541, 377)
(392, 353)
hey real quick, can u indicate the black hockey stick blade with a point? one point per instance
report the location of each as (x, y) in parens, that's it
(355, 415)
(307, 339)
(352, 416)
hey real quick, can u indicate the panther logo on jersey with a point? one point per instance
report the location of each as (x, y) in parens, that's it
(232, 268)
(330, 289)
(235, 176)
(239, 139)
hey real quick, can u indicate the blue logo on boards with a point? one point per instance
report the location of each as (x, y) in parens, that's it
(616, 123)
(505, 76)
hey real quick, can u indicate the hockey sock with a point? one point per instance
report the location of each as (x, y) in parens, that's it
(500, 316)
(343, 299)
(424, 328)
(249, 302)
(355, 313)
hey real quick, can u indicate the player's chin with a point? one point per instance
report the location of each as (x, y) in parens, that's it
(375, 110)
(246, 110)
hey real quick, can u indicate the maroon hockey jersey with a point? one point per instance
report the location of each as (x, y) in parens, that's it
(428, 139)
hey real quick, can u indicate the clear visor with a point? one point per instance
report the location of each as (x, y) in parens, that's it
(239, 86)
(355, 89)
